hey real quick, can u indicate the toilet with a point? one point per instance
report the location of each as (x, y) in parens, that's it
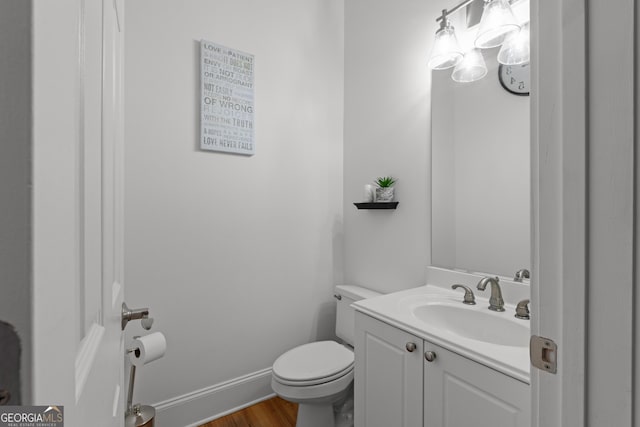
(319, 376)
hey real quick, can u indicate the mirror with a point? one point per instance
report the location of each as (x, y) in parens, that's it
(480, 175)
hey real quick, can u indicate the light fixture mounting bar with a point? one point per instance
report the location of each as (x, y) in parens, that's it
(446, 12)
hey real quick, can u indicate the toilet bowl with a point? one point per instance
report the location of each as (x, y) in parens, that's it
(319, 376)
(316, 376)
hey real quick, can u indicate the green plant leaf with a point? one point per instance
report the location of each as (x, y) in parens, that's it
(385, 181)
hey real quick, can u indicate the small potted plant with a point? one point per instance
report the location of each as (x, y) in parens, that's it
(385, 190)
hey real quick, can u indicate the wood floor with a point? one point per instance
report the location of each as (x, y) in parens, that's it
(270, 413)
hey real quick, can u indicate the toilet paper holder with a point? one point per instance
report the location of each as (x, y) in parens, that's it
(129, 314)
(143, 350)
(132, 381)
(137, 415)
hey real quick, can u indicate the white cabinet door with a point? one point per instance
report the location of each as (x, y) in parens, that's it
(459, 392)
(388, 377)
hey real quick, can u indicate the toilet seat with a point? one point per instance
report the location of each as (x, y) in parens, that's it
(317, 381)
(318, 394)
(313, 364)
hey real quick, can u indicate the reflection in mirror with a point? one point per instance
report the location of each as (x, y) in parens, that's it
(480, 174)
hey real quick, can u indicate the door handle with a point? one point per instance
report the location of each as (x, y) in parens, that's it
(129, 314)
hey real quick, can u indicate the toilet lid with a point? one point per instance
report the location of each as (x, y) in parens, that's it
(314, 361)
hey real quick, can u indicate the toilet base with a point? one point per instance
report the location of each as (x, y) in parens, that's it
(337, 411)
(344, 412)
(310, 415)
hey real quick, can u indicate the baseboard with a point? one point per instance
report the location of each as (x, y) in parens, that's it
(201, 406)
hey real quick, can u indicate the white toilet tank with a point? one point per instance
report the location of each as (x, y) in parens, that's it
(345, 314)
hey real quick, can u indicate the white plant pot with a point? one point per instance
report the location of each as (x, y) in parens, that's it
(385, 194)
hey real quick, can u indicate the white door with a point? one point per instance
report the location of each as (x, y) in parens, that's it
(583, 153)
(77, 209)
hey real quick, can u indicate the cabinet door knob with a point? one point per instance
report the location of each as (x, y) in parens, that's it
(411, 347)
(430, 356)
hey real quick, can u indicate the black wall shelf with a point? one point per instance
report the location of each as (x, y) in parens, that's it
(378, 205)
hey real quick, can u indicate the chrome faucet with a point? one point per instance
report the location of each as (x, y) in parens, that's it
(521, 274)
(496, 303)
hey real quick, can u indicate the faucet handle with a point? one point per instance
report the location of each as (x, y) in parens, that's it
(522, 310)
(469, 298)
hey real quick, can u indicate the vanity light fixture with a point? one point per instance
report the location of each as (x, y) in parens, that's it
(498, 26)
(446, 52)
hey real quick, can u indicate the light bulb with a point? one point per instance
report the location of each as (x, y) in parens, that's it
(496, 23)
(446, 52)
(471, 68)
(515, 50)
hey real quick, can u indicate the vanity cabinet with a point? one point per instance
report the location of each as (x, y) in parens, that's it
(398, 387)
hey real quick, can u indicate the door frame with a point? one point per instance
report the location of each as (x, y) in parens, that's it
(583, 225)
(558, 191)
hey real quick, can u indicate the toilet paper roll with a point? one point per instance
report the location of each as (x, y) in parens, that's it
(148, 348)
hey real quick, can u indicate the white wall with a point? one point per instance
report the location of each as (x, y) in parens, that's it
(15, 171)
(387, 132)
(236, 256)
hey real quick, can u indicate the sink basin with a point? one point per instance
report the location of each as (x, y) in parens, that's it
(474, 322)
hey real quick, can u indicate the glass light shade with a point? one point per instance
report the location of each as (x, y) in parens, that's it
(471, 68)
(446, 51)
(515, 50)
(496, 23)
